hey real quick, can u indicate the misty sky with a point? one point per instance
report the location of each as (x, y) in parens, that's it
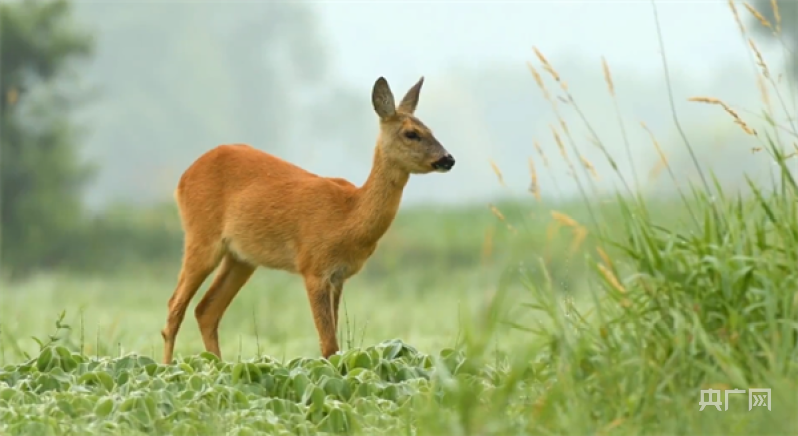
(404, 39)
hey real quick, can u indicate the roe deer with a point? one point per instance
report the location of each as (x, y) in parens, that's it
(243, 208)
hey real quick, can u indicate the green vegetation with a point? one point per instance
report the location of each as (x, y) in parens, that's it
(42, 177)
(606, 316)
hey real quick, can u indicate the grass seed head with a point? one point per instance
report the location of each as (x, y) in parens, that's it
(533, 185)
(498, 172)
(559, 143)
(758, 16)
(611, 279)
(501, 218)
(776, 14)
(759, 59)
(737, 120)
(737, 16)
(604, 257)
(656, 143)
(607, 76)
(564, 126)
(589, 166)
(497, 212)
(546, 65)
(542, 155)
(564, 219)
(538, 78)
(656, 170)
(763, 90)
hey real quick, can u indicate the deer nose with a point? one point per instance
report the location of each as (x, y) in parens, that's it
(445, 163)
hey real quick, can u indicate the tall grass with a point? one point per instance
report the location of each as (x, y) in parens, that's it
(710, 304)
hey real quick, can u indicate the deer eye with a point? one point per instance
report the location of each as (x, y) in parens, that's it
(412, 135)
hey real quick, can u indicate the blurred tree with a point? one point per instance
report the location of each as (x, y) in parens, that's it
(180, 78)
(787, 21)
(41, 175)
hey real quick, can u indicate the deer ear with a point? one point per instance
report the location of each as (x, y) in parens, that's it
(410, 100)
(382, 99)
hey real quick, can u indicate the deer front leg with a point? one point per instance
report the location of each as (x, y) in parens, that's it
(322, 297)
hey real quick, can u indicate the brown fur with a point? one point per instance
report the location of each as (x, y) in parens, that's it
(242, 208)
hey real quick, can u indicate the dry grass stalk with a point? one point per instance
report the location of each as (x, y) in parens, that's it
(737, 120)
(546, 65)
(501, 218)
(487, 246)
(589, 166)
(737, 16)
(580, 233)
(497, 212)
(763, 91)
(661, 153)
(604, 257)
(759, 59)
(559, 143)
(776, 14)
(550, 69)
(542, 155)
(608, 76)
(611, 279)
(564, 219)
(564, 127)
(758, 16)
(498, 172)
(656, 170)
(533, 185)
(539, 81)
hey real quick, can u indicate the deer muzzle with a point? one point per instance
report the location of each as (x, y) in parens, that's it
(444, 164)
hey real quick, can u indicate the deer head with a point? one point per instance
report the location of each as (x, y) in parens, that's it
(405, 141)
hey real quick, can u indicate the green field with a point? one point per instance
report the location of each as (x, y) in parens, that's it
(434, 337)
(603, 316)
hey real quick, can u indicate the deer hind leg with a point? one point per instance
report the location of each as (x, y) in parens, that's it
(199, 260)
(323, 304)
(337, 290)
(232, 276)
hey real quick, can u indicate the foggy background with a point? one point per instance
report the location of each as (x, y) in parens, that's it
(294, 79)
(161, 82)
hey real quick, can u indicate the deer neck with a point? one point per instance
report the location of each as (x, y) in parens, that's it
(379, 198)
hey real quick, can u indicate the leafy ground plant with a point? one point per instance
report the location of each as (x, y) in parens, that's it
(364, 391)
